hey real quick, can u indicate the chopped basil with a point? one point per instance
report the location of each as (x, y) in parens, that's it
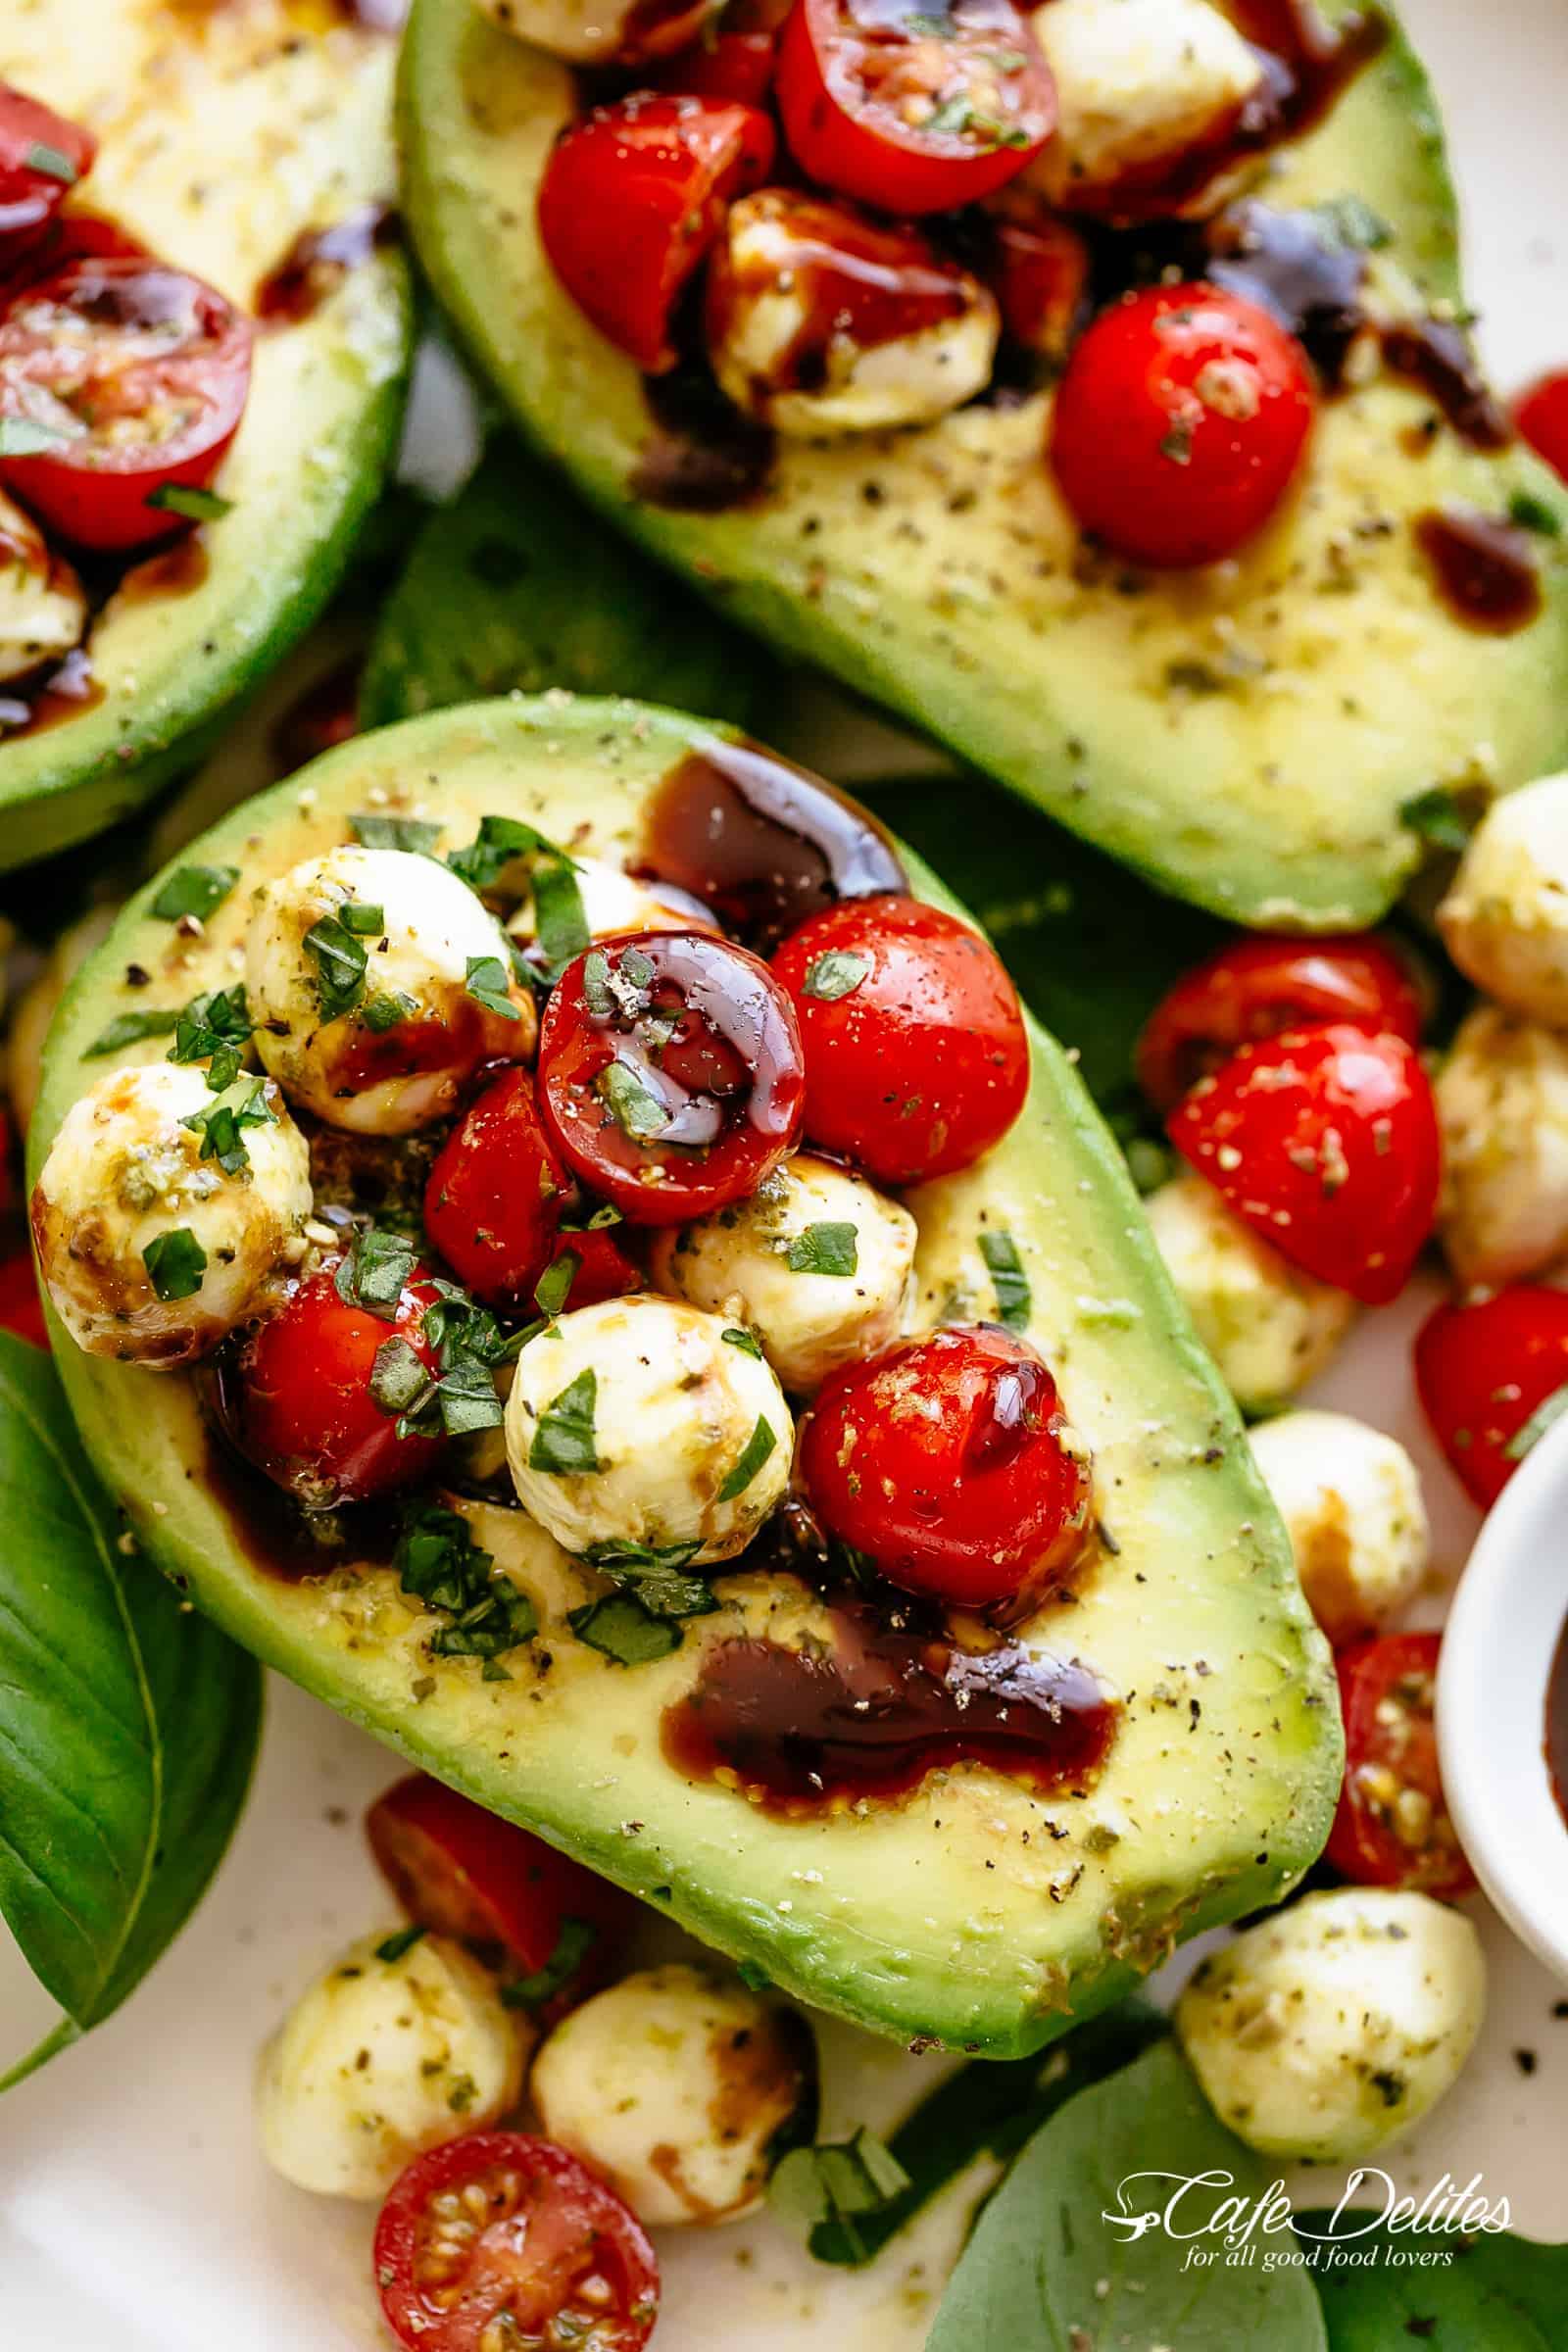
(375, 1271)
(466, 1397)
(573, 1942)
(222, 1127)
(1532, 513)
(1350, 221)
(597, 992)
(438, 1562)
(458, 1396)
(759, 1445)
(1546, 1416)
(554, 1285)
(654, 1573)
(836, 973)
(624, 1630)
(394, 1946)
(1437, 816)
(828, 1248)
(636, 1110)
(560, 920)
(51, 161)
(1007, 1278)
(563, 1441)
(838, 2181)
(215, 1028)
(743, 1340)
(606, 1214)
(364, 922)
(959, 117)
(129, 1029)
(24, 437)
(340, 960)
(417, 835)
(197, 506)
(399, 1380)
(198, 890)
(386, 1008)
(487, 983)
(498, 841)
(176, 1263)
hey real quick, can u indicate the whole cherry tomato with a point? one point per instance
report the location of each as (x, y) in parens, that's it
(1259, 986)
(1180, 424)
(632, 198)
(498, 2239)
(916, 1055)
(495, 1194)
(1392, 1827)
(1325, 1141)
(1542, 415)
(42, 157)
(671, 1074)
(948, 1461)
(136, 376)
(1484, 1373)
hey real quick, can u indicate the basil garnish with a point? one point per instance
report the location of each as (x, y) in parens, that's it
(175, 1262)
(386, 1008)
(827, 1248)
(438, 1562)
(652, 1572)
(635, 1108)
(375, 1271)
(222, 1126)
(194, 890)
(129, 1029)
(554, 1285)
(573, 1942)
(215, 1028)
(394, 1946)
(837, 2182)
(563, 1441)
(624, 1630)
(51, 161)
(181, 498)
(340, 959)
(759, 1445)
(414, 834)
(743, 1340)
(836, 973)
(1007, 1279)
(487, 983)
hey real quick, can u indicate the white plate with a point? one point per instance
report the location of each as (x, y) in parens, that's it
(135, 2209)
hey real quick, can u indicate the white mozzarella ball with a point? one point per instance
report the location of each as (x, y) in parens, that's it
(1140, 83)
(766, 305)
(1334, 2026)
(674, 1420)
(380, 2059)
(1269, 1327)
(43, 609)
(613, 900)
(1351, 1503)
(596, 31)
(673, 2084)
(124, 1174)
(399, 1058)
(1502, 1103)
(738, 1263)
(1505, 918)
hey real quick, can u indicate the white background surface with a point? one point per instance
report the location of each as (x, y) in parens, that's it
(134, 2210)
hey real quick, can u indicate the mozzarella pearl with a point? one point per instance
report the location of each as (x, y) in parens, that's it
(588, 32)
(1139, 84)
(1505, 919)
(43, 610)
(380, 2060)
(671, 2085)
(1502, 1102)
(1269, 1327)
(1334, 2026)
(391, 1080)
(735, 1262)
(613, 900)
(1351, 1500)
(123, 1172)
(674, 1408)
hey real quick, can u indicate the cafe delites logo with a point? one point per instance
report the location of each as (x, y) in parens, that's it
(1222, 2229)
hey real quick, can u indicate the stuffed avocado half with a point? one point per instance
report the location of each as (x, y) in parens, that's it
(971, 1908)
(251, 148)
(1249, 734)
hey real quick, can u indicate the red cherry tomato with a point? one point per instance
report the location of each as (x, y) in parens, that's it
(906, 114)
(603, 1269)
(1180, 423)
(142, 373)
(1039, 274)
(1324, 1141)
(461, 1871)
(1392, 1827)
(734, 66)
(1256, 988)
(917, 1055)
(72, 236)
(1542, 415)
(496, 1192)
(21, 1307)
(499, 2239)
(1483, 1372)
(632, 198)
(299, 1404)
(947, 1461)
(671, 1074)
(42, 157)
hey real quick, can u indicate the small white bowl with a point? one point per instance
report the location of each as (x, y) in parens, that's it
(1497, 1650)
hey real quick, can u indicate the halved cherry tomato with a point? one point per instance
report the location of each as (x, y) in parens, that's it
(1542, 415)
(913, 110)
(735, 66)
(42, 157)
(21, 1307)
(499, 2239)
(73, 236)
(1324, 1141)
(948, 1461)
(917, 1056)
(1483, 1372)
(461, 1871)
(1258, 986)
(1038, 272)
(632, 198)
(142, 375)
(671, 1074)
(298, 1401)
(1180, 424)
(496, 1192)
(603, 1269)
(1392, 1827)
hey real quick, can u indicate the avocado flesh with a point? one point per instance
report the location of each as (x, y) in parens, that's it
(973, 1911)
(223, 135)
(1246, 735)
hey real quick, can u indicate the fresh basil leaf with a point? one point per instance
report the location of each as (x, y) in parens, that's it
(826, 1248)
(499, 842)
(399, 1380)
(340, 962)
(1533, 514)
(487, 983)
(127, 1724)
(554, 1285)
(759, 1445)
(563, 1442)
(597, 992)
(181, 498)
(175, 1262)
(194, 890)
(439, 1563)
(624, 1630)
(222, 1126)
(835, 2182)
(26, 437)
(215, 1028)
(129, 1028)
(1489, 2291)
(363, 920)
(417, 835)
(52, 161)
(635, 1108)
(1546, 1416)
(386, 1008)
(1438, 818)
(560, 921)
(375, 1270)
(604, 1216)
(837, 972)
(466, 1396)
(394, 1946)
(734, 1337)
(574, 1942)
(1008, 1280)
(653, 1573)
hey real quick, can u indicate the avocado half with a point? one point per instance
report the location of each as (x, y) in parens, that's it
(225, 134)
(974, 1912)
(1248, 735)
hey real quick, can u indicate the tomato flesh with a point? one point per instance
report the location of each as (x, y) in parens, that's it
(671, 1074)
(495, 1194)
(42, 157)
(912, 109)
(631, 200)
(1260, 986)
(733, 66)
(1483, 1372)
(922, 1063)
(499, 2239)
(948, 1461)
(1392, 1828)
(1542, 415)
(1180, 423)
(1325, 1142)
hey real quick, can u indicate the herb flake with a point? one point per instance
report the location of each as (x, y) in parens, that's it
(1008, 1281)
(1547, 1415)
(415, 835)
(622, 1629)
(830, 1247)
(757, 1448)
(184, 498)
(175, 1262)
(836, 973)
(373, 1271)
(129, 1029)
(393, 1947)
(563, 1442)
(635, 1108)
(488, 983)
(194, 890)
(574, 1944)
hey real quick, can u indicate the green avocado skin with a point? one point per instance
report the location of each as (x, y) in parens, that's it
(1249, 737)
(973, 1913)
